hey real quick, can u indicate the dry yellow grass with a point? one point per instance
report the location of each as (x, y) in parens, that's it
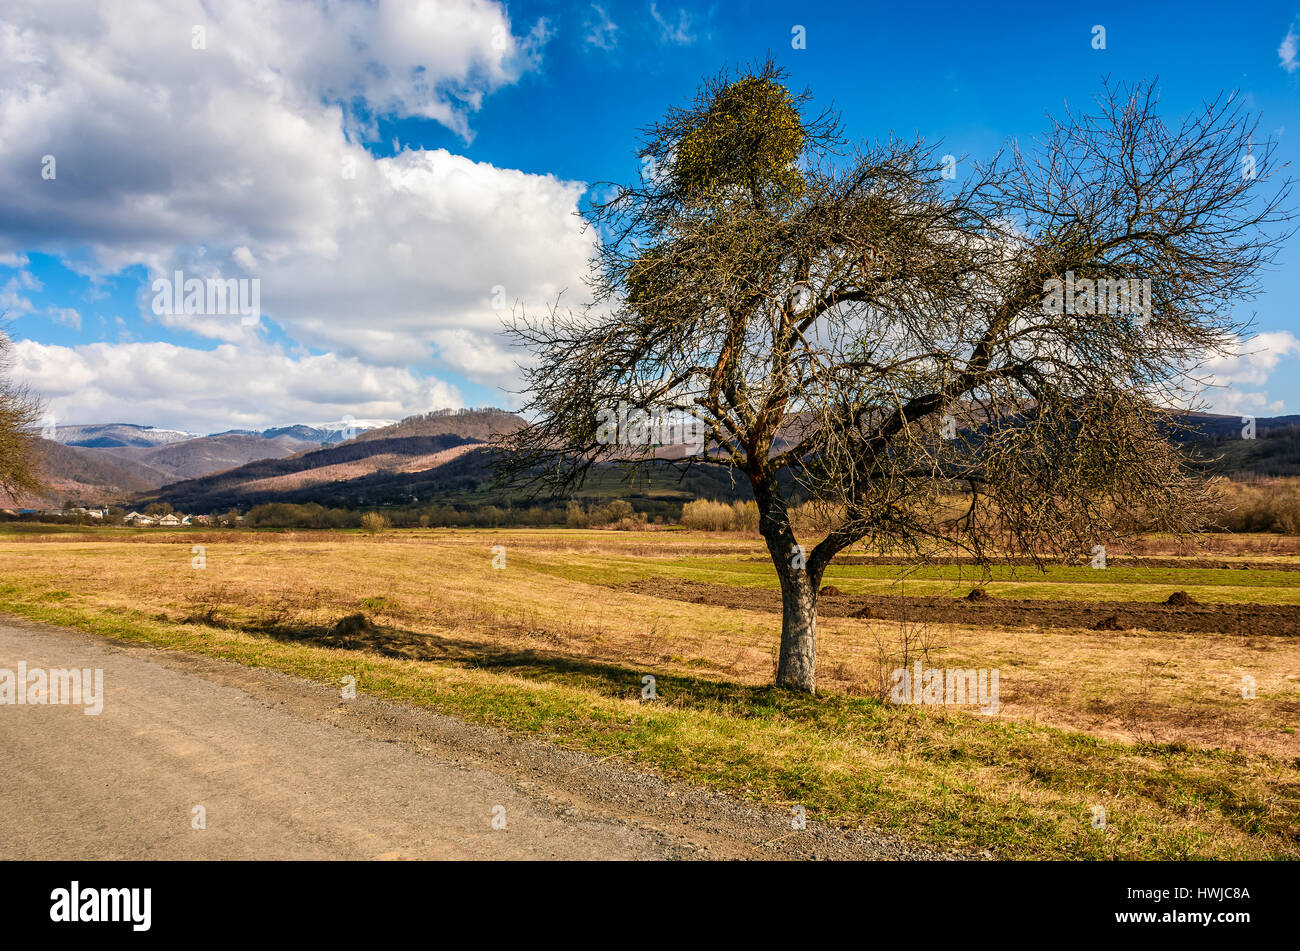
(545, 645)
(436, 590)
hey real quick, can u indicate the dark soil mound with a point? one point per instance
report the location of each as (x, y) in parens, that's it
(979, 594)
(831, 590)
(351, 628)
(1180, 599)
(1109, 624)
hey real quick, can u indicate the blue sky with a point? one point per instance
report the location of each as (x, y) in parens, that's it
(382, 293)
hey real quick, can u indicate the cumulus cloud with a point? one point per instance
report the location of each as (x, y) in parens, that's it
(253, 386)
(1250, 366)
(245, 158)
(440, 238)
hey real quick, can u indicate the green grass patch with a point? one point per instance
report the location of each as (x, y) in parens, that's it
(1208, 585)
(951, 780)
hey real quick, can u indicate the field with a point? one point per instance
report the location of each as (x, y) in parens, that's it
(1179, 721)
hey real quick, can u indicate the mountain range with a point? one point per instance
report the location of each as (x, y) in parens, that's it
(424, 456)
(441, 457)
(114, 462)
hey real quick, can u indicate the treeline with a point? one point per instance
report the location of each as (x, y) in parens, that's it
(1262, 505)
(617, 513)
(462, 411)
(707, 516)
(62, 518)
(290, 515)
(1271, 505)
(1255, 505)
(1265, 505)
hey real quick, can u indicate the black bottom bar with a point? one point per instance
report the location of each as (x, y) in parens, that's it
(647, 903)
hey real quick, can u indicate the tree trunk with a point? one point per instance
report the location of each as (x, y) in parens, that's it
(798, 664)
(800, 577)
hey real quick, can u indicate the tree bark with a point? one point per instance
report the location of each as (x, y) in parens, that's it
(800, 576)
(797, 668)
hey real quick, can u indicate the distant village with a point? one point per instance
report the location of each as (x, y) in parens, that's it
(115, 516)
(163, 521)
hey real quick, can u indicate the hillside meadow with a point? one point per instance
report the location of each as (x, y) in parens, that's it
(1184, 735)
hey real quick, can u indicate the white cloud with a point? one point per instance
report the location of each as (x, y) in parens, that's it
(669, 32)
(253, 386)
(434, 235)
(479, 355)
(1232, 403)
(242, 160)
(67, 316)
(1286, 53)
(244, 258)
(12, 301)
(602, 32)
(1254, 358)
(1251, 365)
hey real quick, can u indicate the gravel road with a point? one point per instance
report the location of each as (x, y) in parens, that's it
(284, 768)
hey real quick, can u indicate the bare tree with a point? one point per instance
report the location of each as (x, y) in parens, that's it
(857, 327)
(19, 412)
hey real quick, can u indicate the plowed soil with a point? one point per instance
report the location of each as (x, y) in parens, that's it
(1112, 561)
(1281, 620)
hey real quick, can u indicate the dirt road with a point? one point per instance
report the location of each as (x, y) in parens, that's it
(284, 768)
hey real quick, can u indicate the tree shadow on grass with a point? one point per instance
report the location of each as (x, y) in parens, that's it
(550, 666)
